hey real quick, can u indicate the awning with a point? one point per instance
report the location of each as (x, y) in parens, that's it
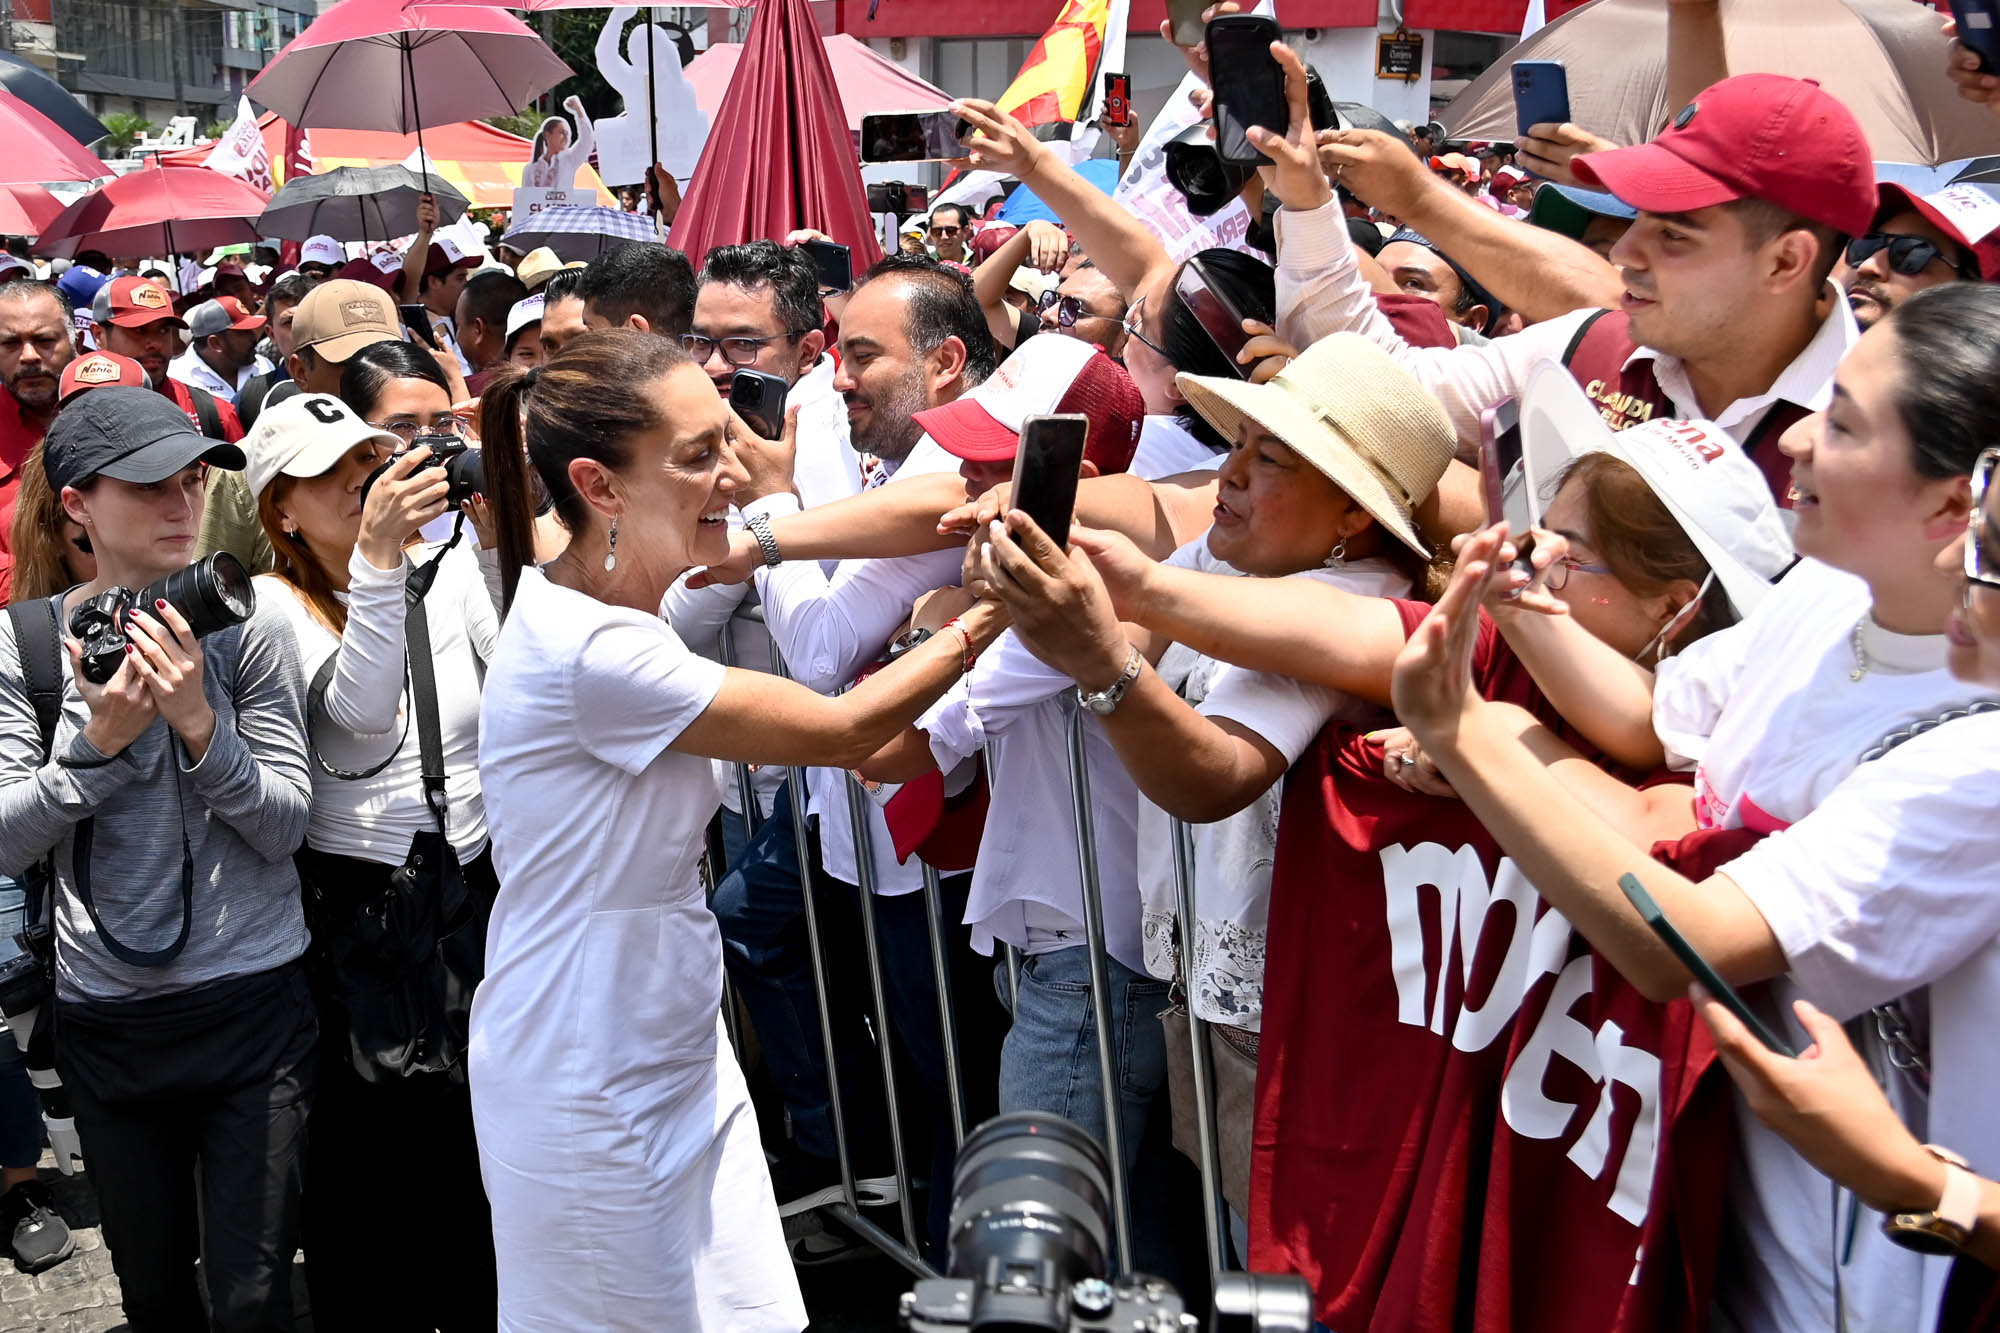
(869, 82)
(481, 162)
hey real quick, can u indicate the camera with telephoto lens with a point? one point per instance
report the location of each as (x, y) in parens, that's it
(1030, 1244)
(464, 466)
(212, 593)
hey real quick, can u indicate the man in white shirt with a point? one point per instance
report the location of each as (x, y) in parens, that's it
(222, 348)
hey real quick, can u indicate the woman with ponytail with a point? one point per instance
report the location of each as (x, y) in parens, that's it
(618, 1145)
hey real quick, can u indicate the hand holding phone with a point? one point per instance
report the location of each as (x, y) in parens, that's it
(833, 263)
(760, 400)
(1046, 470)
(1979, 28)
(1118, 100)
(1541, 94)
(1184, 18)
(1218, 316)
(1711, 980)
(1248, 83)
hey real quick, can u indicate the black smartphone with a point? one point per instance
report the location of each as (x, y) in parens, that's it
(833, 263)
(417, 320)
(1249, 85)
(1979, 28)
(1541, 94)
(1216, 313)
(1046, 471)
(1649, 911)
(1118, 100)
(912, 136)
(1186, 17)
(760, 400)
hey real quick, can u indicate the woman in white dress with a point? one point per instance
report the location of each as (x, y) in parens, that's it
(558, 155)
(619, 1149)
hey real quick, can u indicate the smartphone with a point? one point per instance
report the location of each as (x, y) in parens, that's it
(417, 320)
(1186, 17)
(1218, 316)
(1248, 83)
(1541, 94)
(833, 263)
(1118, 100)
(1046, 471)
(912, 136)
(1649, 911)
(760, 400)
(1979, 28)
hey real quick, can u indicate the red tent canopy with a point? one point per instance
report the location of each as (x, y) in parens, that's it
(868, 81)
(779, 156)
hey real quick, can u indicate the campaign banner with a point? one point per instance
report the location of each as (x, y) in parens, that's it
(1152, 198)
(530, 200)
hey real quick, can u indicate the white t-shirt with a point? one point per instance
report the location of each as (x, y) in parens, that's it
(1877, 881)
(365, 716)
(1233, 856)
(616, 1141)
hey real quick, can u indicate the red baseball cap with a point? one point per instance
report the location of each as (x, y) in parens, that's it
(1050, 373)
(445, 255)
(137, 302)
(1961, 212)
(1785, 141)
(100, 370)
(372, 273)
(222, 313)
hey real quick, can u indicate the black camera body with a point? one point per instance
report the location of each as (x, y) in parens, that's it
(464, 467)
(945, 1304)
(212, 593)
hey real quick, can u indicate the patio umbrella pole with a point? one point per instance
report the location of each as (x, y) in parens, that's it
(173, 260)
(652, 121)
(417, 115)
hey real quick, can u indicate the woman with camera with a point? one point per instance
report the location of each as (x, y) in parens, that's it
(169, 802)
(394, 638)
(618, 1144)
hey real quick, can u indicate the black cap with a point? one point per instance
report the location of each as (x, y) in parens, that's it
(130, 434)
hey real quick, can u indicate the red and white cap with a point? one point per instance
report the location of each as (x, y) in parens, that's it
(1785, 141)
(133, 303)
(445, 255)
(1965, 213)
(1049, 373)
(100, 370)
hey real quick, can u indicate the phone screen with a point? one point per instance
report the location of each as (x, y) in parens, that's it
(1649, 911)
(911, 136)
(760, 400)
(1217, 317)
(1046, 471)
(833, 263)
(417, 320)
(1979, 28)
(1249, 85)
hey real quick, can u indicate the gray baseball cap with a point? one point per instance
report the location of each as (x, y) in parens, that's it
(221, 315)
(131, 434)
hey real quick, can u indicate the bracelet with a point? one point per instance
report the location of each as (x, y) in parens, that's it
(760, 527)
(971, 655)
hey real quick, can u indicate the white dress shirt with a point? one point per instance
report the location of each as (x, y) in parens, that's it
(189, 368)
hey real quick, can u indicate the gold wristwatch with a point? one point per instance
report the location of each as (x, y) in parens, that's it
(1946, 1228)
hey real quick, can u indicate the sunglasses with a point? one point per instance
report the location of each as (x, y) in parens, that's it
(1069, 309)
(946, 231)
(1979, 566)
(1908, 255)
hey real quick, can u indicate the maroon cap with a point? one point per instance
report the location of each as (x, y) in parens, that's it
(1045, 375)
(1785, 141)
(446, 255)
(990, 238)
(1954, 211)
(100, 370)
(366, 270)
(137, 302)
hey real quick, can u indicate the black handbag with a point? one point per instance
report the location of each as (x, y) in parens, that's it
(398, 957)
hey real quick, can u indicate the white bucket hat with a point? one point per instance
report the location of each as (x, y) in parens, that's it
(1702, 476)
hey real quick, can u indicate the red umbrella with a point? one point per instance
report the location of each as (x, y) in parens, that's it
(40, 150)
(779, 156)
(157, 211)
(26, 209)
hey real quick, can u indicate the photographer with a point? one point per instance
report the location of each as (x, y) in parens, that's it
(386, 1072)
(170, 801)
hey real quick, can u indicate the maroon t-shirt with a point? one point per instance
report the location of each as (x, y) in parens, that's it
(1465, 1118)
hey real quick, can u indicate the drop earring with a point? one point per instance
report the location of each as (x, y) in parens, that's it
(1338, 556)
(611, 556)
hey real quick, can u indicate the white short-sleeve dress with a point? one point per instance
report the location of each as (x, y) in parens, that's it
(617, 1141)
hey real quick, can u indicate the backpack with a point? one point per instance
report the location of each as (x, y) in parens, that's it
(38, 639)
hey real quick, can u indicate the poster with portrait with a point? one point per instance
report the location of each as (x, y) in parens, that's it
(645, 68)
(562, 147)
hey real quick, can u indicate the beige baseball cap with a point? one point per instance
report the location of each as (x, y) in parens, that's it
(340, 317)
(303, 437)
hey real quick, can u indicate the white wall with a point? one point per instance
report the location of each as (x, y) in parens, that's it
(1345, 59)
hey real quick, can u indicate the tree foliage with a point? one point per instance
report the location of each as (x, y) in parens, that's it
(126, 129)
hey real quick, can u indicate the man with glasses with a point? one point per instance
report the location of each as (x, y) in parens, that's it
(1915, 242)
(948, 234)
(1087, 305)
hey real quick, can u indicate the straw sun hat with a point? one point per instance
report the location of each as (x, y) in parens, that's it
(1347, 408)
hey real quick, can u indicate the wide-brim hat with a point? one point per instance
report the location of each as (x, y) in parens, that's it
(1346, 407)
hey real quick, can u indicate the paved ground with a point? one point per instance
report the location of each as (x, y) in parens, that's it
(80, 1295)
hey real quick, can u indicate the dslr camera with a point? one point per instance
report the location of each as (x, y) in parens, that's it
(1030, 1227)
(464, 466)
(212, 593)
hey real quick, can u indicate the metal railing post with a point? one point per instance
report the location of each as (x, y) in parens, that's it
(746, 792)
(1213, 1224)
(947, 1029)
(1100, 986)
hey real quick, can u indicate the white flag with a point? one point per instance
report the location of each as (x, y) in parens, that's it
(242, 152)
(1538, 16)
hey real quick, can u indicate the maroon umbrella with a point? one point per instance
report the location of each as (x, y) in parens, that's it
(157, 211)
(779, 156)
(26, 210)
(40, 150)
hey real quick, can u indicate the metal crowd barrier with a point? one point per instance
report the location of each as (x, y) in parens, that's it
(904, 1249)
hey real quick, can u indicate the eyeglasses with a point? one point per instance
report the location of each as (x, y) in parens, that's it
(407, 431)
(1908, 255)
(1132, 318)
(1069, 309)
(736, 351)
(1559, 576)
(1978, 566)
(936, 230)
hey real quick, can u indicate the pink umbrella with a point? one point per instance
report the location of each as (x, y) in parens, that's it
(403, 67)
(868, 81)
(25, 210)
(39, 150)
(157, 211)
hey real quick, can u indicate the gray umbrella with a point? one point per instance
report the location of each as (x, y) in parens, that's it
(355, 204)
(1356, 116)
(33, 86)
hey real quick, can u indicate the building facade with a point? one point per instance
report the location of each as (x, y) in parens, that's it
(163, 58)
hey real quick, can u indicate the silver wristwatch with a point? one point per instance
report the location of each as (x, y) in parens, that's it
(1104, 701)
(760, 527)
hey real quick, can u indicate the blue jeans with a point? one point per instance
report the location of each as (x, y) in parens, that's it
(20, 1108)
(1049, 1059)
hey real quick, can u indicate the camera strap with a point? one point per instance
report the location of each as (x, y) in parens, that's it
(38, 639)
(423, 695)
